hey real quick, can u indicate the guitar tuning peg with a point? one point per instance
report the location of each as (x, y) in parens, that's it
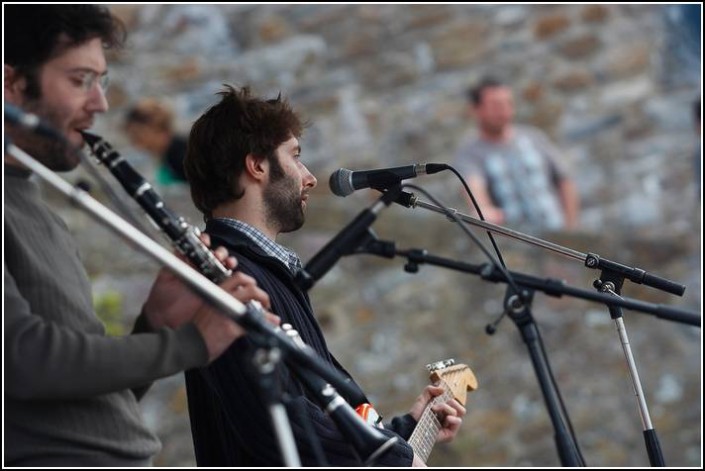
(440, 364)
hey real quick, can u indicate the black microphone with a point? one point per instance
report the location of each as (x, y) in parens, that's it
(343, 181)
(346, 242)
(32, 122)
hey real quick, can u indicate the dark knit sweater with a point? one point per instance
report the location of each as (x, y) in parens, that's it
(68, 398)
(229, 422)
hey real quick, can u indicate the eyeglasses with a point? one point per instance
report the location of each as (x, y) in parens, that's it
(87, 79)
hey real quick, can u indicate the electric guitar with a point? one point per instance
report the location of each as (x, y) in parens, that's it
(456, 380)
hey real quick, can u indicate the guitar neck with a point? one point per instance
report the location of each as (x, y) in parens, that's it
(424, 436)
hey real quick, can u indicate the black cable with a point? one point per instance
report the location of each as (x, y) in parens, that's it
(479, 213)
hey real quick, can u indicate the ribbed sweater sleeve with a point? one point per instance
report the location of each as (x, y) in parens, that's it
(45, 360)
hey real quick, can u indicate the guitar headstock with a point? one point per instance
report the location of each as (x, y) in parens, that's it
(459, 378)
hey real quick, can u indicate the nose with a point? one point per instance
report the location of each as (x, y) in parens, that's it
(309, 180)
(97, 102)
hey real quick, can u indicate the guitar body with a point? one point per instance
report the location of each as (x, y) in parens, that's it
(456, 380)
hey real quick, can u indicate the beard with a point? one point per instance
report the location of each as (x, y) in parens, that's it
(494, 129)
(59, 156)
(282, 199)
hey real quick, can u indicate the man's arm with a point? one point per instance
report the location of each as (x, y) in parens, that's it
(172, 304)
(570, 201)
(141, 326)
(45, 360)
(567, 190)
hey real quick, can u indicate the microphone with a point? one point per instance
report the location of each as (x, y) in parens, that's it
(32, 122)
(345, 242)
(343, 181)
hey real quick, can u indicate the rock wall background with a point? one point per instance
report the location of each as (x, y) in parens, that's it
(384, 85)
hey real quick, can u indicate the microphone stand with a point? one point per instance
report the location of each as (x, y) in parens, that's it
(518, 307)
(520, 313)
(245, 316)
(591, 260)
(550, 286)
(266, 359)
(611, 283)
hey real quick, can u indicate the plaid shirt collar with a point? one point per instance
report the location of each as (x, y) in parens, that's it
(286, 256)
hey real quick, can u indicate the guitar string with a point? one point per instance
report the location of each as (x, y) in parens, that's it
(424, 436)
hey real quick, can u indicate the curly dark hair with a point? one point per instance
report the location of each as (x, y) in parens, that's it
(35, 34)
(223, 136)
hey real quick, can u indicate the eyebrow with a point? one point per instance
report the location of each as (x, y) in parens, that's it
(87, 69)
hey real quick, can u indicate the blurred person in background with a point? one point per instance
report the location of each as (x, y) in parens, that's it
(518, 176)
(149, 125)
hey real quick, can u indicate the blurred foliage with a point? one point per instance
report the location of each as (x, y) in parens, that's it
(108, 307)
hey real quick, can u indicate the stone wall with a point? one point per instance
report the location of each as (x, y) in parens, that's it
(384, 85)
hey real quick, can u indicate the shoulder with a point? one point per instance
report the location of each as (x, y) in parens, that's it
(229, 236)
(469, 145)
(470, 138)
(534, 134)
(252, 259)
(530, 131)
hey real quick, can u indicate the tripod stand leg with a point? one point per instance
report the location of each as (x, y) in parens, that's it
(612, 284)
(266, 360)
(653, 447)
(519, 310)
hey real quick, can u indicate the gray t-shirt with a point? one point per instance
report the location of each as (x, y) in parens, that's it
(522, 176)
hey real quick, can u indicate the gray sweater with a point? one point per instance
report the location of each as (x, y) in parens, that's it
(68, 398)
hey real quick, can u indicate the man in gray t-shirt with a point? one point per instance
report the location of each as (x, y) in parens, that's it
(516, 174)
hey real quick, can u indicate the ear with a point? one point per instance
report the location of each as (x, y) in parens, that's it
(15, 85)
(256, 168)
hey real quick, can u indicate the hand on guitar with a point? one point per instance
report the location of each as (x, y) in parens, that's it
(450, 414)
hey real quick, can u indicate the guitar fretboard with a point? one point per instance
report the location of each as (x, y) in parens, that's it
(424, 436)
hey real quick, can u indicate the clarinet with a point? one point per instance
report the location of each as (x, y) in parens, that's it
(184, 236)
